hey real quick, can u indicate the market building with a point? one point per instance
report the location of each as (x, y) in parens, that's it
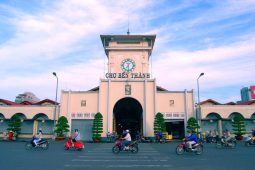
(128, 97)
(217, 116)
(33, 116)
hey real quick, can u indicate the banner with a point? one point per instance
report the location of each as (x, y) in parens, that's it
(253, 92)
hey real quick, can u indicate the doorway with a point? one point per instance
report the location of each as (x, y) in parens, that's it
(128, 114)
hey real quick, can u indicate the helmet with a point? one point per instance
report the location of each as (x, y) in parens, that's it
(127, 131)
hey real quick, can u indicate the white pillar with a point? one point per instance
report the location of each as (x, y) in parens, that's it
(220, 127)
(186, 111)
(108, 106)
(145, 109)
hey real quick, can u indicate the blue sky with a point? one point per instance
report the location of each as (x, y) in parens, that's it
(214, 37)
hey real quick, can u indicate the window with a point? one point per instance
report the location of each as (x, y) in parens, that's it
(92, 115)
(176, 115)
(128, 42)
(169, 115)
(79, 115)
(83, 103)
(171, 102)
(86, 115)
(127, 89)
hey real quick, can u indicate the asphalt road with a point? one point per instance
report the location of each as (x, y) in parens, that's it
(99, 156)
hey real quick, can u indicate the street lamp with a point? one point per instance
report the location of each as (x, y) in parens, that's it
(198, 116)
(55, 111)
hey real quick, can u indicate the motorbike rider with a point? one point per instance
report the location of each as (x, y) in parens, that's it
(126, 139)
(226, 136)
(159, 136)
(253, 135)
(75, 136)
(38, 137)
(192, 139)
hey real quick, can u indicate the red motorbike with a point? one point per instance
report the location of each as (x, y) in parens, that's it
(132, 147)
(182, 147)
(78, 145)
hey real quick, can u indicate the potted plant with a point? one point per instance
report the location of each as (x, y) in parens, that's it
(61, 128)
(97, 128)
(192, 124)
(239, 127)
(159, 123)
(159, 128)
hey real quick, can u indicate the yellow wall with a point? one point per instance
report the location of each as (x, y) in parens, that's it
(28, 110)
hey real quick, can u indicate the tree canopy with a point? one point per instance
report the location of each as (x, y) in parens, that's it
(62, 126)
(97, 128)
(159, 123)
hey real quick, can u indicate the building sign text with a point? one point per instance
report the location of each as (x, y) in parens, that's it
(82, 115)
(127, 75)
(174, 115)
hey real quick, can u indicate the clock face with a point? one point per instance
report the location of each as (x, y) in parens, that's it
(128, 65)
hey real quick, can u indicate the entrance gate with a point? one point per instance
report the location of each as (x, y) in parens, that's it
(128, 114)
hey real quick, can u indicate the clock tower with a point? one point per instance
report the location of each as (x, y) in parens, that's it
(128, 98)
(128, 55)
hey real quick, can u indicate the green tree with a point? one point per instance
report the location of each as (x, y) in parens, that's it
(192, 124)
(15, 124)
(97, 128)
(239, 125)
(62, 126)
(159, 123)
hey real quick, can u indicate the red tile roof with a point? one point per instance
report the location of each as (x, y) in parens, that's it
(246, 103)
(44, 101)
(94, 89)
(230, 103)
(211, 101)
(161, 89)
(8, 102)
(26, 103)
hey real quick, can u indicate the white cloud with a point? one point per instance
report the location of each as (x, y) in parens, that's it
(54, 32)
(79, 77)
(42, 38)
(223, 66)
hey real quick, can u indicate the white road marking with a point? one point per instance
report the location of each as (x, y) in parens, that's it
(132, 166)
(119, 166)
(68, 165)
(108, 160)
(129, 153)
(114, 157)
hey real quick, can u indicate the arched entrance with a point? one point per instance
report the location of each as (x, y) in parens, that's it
(128, 114)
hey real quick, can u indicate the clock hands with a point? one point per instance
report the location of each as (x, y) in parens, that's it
(128, 65)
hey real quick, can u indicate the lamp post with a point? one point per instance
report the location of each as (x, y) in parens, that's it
(55, 111)
(198, 116)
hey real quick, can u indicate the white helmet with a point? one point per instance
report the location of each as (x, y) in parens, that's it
(127, 131)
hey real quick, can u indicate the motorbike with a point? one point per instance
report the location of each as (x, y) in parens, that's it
(42, 144)
(78, 145)
(133, 147)
(226, 144)
(159, 139)
(211, 139)
(196, 148)
(248, 141)
(145, 140)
